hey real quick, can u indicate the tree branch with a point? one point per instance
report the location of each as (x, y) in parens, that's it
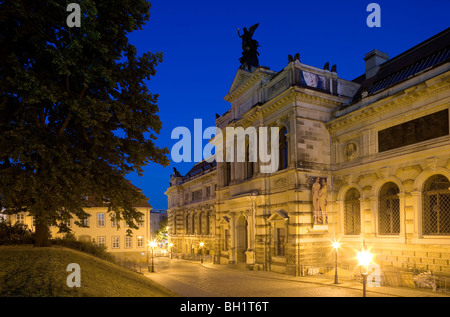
(64, 125)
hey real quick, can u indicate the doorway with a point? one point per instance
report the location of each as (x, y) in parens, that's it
(241, 239)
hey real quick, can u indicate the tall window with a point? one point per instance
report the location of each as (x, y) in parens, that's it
(140, 242)
(204, 223)
(20, 218)
(100, 219)
(248, 163)
(115, 242)
(389, 210)
(128, 240)
(352, 214)
(227, 174)
(193, 221)
(280, 236)
(226, 238)
(436, 206)
(101, 240)
(283, 148)
(186, 224)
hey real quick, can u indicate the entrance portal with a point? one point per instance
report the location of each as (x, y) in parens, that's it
(241, 239)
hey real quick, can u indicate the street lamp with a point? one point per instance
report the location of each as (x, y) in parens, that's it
(201, 246)
(336, 245)
(364, 258)
(152, 245)
(170, 249)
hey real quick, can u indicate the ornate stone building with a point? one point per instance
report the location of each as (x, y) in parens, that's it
(363, 161)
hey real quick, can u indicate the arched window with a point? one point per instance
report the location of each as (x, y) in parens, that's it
(283, 148)
(205, 223)
(436, 206)
(389, 210)
(186, 223)
(352, 214)
(194, 220)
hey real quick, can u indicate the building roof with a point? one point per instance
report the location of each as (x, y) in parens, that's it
(94, 201)
(199, 169)
(426, 55)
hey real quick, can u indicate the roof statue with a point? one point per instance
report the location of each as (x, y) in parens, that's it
(249, 59)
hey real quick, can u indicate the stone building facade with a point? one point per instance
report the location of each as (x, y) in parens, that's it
(102, 229)
(363, 161)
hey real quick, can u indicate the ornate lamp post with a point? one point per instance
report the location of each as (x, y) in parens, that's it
(170, 249)
(152, 245)
(364, 259)
(336, 245)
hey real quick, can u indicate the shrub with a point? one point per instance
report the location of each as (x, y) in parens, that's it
(15, 234)
(92, 248)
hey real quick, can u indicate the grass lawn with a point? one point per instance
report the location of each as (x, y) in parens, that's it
(31, 272)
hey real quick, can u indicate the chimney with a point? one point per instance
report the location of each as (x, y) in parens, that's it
(373, 61)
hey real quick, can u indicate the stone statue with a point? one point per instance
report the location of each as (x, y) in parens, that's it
(326, 66)
(333, 68)
(250, 54)
(297, 57)
(176, 173)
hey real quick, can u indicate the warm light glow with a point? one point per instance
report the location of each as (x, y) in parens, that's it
(201, 244)
(152, 244)
(170, 244)
(364, 257)
(336, 245)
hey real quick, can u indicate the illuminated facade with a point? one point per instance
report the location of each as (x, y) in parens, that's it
(365, 161)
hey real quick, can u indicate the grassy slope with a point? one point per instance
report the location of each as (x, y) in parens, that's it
(28, 271)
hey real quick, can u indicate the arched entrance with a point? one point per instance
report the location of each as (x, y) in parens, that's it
(241, 239)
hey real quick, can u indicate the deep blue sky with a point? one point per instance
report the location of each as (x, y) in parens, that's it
(201, 52)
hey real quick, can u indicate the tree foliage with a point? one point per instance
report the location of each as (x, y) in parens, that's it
(76, 115)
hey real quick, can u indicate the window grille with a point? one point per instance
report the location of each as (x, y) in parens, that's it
(436, 206)
(389, 210)
(352, 214)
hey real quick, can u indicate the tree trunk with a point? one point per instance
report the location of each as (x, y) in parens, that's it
(41, 236)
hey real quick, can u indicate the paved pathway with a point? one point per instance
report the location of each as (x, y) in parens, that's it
(193, 279)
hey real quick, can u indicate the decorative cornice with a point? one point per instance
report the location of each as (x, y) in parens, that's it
(401, 99)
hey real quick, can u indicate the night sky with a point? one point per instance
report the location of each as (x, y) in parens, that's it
(201, 48)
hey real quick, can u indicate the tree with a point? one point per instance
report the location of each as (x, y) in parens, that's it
(163, 232)
(76, 115)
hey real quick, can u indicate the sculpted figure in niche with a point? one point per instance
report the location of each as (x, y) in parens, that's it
(319, 193)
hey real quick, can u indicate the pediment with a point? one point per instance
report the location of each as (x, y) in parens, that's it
(241, 77)
(279, 215)
(224, 221)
